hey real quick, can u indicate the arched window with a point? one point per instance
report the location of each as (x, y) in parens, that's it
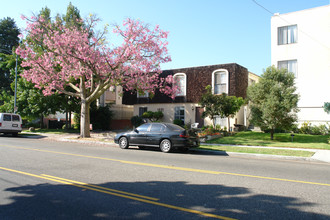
(220, 81)
(180, 80)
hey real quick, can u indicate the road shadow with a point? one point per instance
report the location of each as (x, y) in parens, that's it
(192, 151)
(24, 135)
(58, 201)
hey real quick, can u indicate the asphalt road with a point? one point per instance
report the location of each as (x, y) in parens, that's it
(44, 179)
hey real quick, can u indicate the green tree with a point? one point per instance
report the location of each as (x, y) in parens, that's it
(72, 17)
(7, 74)
(31, 102)
(273, 100)
(210, 103)
(219, 105)
(8, 35)
(8, 41)
(327, 107)
(229, 106)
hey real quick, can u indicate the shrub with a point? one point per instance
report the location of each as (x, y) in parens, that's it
(158, 115)
(101, 118)
(307, 128)
(178, 122)
(76, 126)
(153, 116)
(136, 121)
(76, 121)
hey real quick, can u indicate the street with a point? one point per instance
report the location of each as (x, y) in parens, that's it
(45, 179)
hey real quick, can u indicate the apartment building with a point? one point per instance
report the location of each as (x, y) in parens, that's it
(300, 42)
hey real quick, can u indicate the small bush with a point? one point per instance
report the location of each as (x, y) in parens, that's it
(308, 128)
(76, 126)
(101, 118)
(158, 115)
(136, 121)
(178, 122)
(153, 116)
(305, 128)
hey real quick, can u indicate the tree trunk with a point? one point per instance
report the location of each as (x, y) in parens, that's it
(70, 126)
(66, 120)
(271, 134)
(228, 123)
(84, 119)
(41, 121)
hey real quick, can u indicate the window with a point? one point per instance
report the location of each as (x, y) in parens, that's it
(290, 65)
(179, 113)
(251, 82)
(180, 82)
(174, 127)
(15, 118)
(142, 110)
(287, 35)
(7, 118)
(144, 95)
(143, 128)
(220, 82)
(157, 128)
(221, 121)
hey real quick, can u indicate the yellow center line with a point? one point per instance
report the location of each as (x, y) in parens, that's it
(100, 187)
(123, 195)
(174, 167)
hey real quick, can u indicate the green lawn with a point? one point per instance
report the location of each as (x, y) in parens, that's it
(53, 131)
(280, 140)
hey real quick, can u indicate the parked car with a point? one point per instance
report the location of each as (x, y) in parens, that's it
(10, 123)
(166, 136)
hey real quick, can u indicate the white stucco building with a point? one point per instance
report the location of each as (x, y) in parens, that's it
(300, 42)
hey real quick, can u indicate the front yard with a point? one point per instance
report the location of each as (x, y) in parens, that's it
(250, 138)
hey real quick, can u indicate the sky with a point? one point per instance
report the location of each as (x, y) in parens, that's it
(201, 32)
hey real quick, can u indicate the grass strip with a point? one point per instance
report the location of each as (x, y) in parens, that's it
(251, 150)
(249, 138)
(53, 131)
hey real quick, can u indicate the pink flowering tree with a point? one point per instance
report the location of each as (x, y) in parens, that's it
(78, 62)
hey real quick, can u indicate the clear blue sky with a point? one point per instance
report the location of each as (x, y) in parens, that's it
(202, 32)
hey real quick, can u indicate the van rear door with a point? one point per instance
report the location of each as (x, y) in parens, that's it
(16, 122)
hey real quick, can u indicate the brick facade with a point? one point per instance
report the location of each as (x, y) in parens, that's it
(197, 79)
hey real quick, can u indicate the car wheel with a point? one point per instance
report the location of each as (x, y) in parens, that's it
(123, 143)
(165, 146)
(15, 134)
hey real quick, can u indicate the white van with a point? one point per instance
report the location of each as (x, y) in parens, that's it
(10, 123)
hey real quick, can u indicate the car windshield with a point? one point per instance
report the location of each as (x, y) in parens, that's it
(174, 127)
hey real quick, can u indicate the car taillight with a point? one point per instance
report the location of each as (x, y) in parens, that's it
(0, 124)
(184, 136)
(21, 126)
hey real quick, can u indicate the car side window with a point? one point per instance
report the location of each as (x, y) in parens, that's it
(7, 118)
(143, 128)
(157, 128)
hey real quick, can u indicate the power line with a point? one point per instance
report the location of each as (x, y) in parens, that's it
(261, 6)
(290, 23)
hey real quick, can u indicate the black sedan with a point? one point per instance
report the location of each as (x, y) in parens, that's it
(166, 136)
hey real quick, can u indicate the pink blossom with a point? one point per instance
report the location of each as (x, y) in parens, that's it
(70, 55)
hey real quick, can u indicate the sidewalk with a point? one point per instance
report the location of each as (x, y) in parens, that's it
(107, 139)
(321, 155)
